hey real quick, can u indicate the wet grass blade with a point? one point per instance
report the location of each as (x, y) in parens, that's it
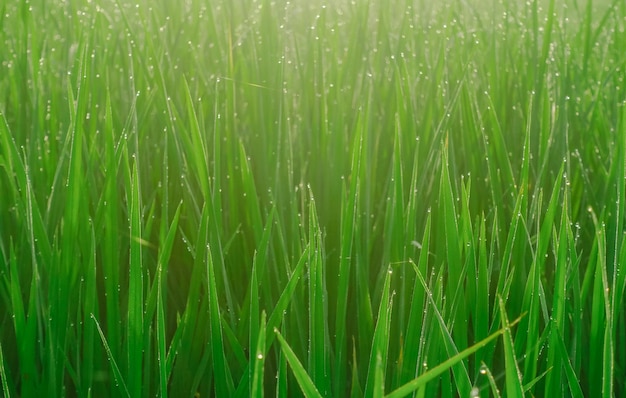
(433, 373)
(572, 380)
(223, 379)
(135, 328)
(513, 377)
(280, 308)
(349, 210)
(558, 314)
(318, 366)
(380, 342)
(259, 362)
(117, 374)
(459, 370)
(164, 258)
(4, 379)
(417, 316)
(303, 379)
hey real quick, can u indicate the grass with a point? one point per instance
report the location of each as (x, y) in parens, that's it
(367, 198)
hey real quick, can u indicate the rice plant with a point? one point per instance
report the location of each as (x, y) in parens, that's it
(358, 198)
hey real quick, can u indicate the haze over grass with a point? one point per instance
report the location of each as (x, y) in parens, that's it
(232, 198)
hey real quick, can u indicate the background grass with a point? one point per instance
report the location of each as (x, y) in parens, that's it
(231, 198)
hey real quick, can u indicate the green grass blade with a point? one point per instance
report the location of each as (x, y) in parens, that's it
(455, 275)
(196, 147)
(259, 361)
(281, 375)
(558, 314)
(416, 314)
(513, 377)
(4, 379)
(529, 386)
(280, 308)
(117, 374)
(164, 257)
(318, 366)
(492, 380)
(572, 379)
(303, 379)
(378, 390)
(459, 370)
(90, 306)
(223, 379)
(135, 331)
(380, 342)
(111, 230)
(349, 210)
(421, 381)
(253, 335)
(355, 389)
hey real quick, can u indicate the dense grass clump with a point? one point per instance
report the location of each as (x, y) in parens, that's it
(238, 198)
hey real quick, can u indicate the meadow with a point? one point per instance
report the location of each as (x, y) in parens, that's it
(359, 198)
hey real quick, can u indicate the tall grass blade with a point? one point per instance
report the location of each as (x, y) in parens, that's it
(459, 370)
(433, 373)
(135, 328)
(513, 378)
(286, 296)
(318, 358)
(349, 210)
(162, 266)
(572, 380)
(558, 314)
(380, 342)
(259, 362)
(223, 379)
(417, 318)
(303, 379)
(117, 374)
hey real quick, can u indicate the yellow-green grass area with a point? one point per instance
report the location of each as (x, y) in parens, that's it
(335, 198)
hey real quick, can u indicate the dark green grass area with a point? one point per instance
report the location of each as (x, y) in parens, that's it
(284, 198)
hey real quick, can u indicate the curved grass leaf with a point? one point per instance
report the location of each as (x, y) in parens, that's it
(117, 374)
(303, 379)
(421, 381)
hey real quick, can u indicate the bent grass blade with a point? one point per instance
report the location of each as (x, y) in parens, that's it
(430, 375)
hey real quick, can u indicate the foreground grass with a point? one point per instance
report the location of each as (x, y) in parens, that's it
(364, 198)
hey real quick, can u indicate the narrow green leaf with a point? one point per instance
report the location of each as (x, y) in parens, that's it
(259, 361)
(513, 379)
(572, 379)
(492, 381)
(380, 342)
(278, 313)
(416, 314)
(90, 307)
(135, 331)
(223, 380)
(164, 257)
(421, 381)
(117, 374)
(355, 389)
(303, 379)
(349, 210)
(4, 379)
(318, 366)
(459, 370)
